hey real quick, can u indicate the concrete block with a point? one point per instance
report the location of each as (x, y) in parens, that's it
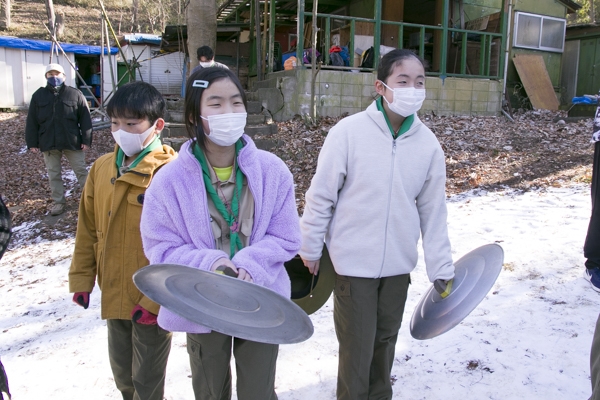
(176, 103)
(329, 111)
(329, 89)
(330, 77)
(447, 94)
(432, 82)
(329, 101)
(495, 86)
(369, 78)
(263, 130)
(494, 107)
(462, 107)
(366, 102)
(463, 95)
(252, 96)
(254, 107)
(369, 91)
(481, 85)
(430, 105)
(174, 116)
(464, 84)
(271, 99)
(351, 102)
(446, 105)
(351, 78)
(256, 119)
(175, 143)
(352, 90)
(267, 144)
(449, 84)
(480, 96)
(174, 130)
(479, 106)
(432, 94)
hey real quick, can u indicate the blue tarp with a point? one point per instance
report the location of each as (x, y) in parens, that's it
(584, 100)
(143, 38)
(44, 45)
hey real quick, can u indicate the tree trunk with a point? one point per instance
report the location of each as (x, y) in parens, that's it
(201, 27)
(5, 22)
(60, 25)
(134, 16)
(51, 17)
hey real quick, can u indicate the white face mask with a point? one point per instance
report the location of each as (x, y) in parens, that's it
(226, 129)
(206, 64)
(132, 143)
(405, 101)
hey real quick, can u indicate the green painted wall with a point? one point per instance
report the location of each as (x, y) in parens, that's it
(550, 8)
(552, 60)
(362, 8)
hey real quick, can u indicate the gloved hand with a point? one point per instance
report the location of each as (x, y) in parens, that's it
(142, 316)
(82, 299)
(443, 287)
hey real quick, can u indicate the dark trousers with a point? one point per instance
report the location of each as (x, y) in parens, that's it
(591, 248)
(138, 357)
(595, 363)
(210, 357)
(367, 315)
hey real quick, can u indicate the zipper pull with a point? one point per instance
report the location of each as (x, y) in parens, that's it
(394, 147)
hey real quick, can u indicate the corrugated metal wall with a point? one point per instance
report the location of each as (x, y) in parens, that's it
(164, 72)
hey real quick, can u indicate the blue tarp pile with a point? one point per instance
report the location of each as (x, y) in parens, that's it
(585, 99)
(44, 45)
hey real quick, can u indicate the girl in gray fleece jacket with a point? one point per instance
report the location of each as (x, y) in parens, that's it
(379, 186)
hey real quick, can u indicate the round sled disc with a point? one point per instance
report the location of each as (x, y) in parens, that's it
(224, 304)
(475, 274)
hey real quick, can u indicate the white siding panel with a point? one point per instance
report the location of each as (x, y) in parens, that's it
(107, 81)
(11, 78)
(164, 72)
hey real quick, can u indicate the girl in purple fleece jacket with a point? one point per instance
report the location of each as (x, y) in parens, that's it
(223, 202)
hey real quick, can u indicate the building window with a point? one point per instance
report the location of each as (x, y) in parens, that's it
(539, 32)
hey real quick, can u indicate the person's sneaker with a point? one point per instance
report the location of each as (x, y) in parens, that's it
(59, 208)
(593, 275)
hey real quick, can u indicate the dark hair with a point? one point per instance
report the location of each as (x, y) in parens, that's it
(394, 58)
(206, 52)
(193, 97)
(137, 100)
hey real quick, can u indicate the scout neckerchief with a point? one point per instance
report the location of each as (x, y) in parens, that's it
(230, 215)
(155, 144)
(406, 124)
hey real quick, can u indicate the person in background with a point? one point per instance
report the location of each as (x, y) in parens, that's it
(223, 202)
(591, 248)
(108, 242)
(206, 57)
(379, 186)
(59, 123)
(5, 234)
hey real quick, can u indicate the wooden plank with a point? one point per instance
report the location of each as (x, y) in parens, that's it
(536, 81)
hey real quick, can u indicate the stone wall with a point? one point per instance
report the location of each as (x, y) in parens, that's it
(287, 93)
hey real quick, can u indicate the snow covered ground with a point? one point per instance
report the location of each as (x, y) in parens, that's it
(529, 338)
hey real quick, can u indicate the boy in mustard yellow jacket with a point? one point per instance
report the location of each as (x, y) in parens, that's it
(108, 244)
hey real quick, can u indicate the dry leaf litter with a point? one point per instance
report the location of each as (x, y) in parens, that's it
(537, 150)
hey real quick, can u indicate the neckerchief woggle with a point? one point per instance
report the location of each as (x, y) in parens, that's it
(153, 145)
(230, 217)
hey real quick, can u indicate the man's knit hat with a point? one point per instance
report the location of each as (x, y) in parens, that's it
(54, 67)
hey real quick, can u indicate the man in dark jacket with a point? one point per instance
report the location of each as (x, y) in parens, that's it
(5, 232)
(59, 123)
